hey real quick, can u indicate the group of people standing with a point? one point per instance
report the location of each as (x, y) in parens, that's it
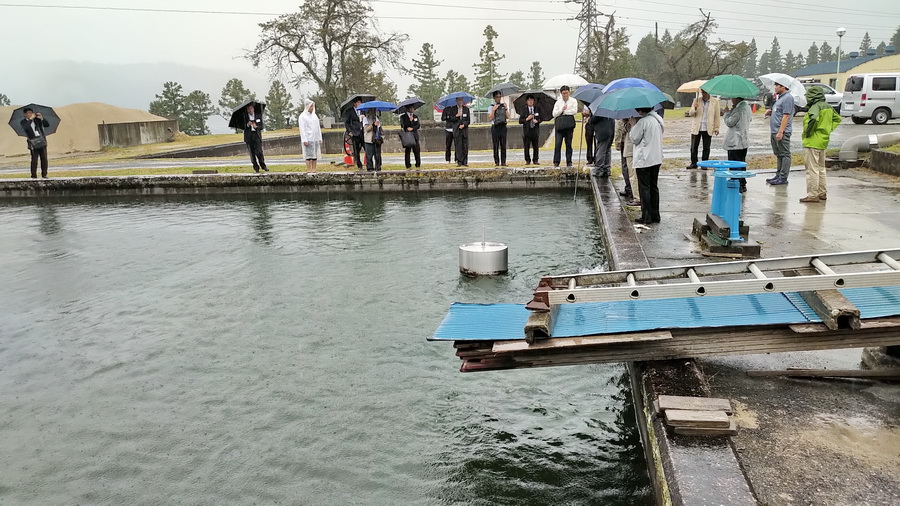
(365, 132)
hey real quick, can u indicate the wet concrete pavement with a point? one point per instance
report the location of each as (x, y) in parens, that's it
(800, 441)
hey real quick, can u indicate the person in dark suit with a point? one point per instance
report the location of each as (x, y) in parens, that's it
(253, 138)
(450, 133)
(587, 126)
(34, 125)
(530, 119)
(409, 122)
(355, 130)
(498, 116)
(458, 118)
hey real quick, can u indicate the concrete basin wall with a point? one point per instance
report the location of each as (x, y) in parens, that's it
(885, 162)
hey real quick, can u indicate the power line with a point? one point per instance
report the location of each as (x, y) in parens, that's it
(494, 9)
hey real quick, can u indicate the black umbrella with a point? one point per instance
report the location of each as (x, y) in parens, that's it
(239, 114)
(542, 100)
(416, 102)
(365, 97)
(15, 120)
(504, 89)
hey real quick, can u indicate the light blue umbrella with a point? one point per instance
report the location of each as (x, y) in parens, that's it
(622, 103)
(378, 105)
(588, 93)
(629, 82)
(448, 100)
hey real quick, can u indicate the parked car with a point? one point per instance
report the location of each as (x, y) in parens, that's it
(874, 96)
(832, 96)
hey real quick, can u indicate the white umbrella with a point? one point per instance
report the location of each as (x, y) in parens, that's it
(795, 87)
(570, 80)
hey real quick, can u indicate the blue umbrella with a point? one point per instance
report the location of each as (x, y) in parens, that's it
(448, 100)
(588, 93)
(622, 103)
(378, 105)
(629, 82)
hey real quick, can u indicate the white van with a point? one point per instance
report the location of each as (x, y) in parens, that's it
(873, 96)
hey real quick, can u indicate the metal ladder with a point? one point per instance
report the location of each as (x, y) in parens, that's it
(788, 274)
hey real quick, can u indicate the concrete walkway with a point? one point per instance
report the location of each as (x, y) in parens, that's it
(800, 441)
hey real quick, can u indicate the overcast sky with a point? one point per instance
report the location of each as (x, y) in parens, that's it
(528, 29)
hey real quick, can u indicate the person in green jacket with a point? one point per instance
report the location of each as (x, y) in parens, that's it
(819, 122)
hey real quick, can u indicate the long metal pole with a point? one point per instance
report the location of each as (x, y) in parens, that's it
(837, 72)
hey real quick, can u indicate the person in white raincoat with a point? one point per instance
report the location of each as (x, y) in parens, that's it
(310, 135)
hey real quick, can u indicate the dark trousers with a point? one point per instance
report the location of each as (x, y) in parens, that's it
(739, 155)
(603, 153)
(256, 155)
(589, 140)
(498, 138)
(695, 144)
(42, 154)
(356, 147)
(649, 191)
(565, 135)
(448, 140)
(625, 174)
(462, 146)
(417, 150)
(530, 139)
(373, 156)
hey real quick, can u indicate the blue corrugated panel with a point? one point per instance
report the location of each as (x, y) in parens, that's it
(496, 322)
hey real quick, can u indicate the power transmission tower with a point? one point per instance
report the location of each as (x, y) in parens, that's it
(588, 18)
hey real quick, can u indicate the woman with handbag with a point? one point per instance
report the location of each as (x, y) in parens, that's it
(564, 111)
(373, 137)
(34, 125)
(409, 136)
(310, 135)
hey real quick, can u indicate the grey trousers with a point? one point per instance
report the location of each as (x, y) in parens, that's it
(782, 150)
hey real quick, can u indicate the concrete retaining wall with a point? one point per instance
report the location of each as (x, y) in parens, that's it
(885, 161)
(431, 139)
(123, 135)
(293, 183)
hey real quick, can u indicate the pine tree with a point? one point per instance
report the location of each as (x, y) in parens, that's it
(517, 78)
(197, 109)
(800, 62)
(765, 64)
(233, 94)
(4, 100)
(454, 81)
(487, 72)
(170, 103)
(812, 55)
(776, 61)
(535, 76)
(790, 63)
(429, 85)
(826, 54)
(279, 112)
(749, 68)
(865, 44)
(895, 39)
(880, 48)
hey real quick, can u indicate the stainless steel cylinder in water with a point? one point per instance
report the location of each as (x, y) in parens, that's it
(483, 258)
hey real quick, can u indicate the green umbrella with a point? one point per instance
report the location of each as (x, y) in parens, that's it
(730, 86)
(628, 98)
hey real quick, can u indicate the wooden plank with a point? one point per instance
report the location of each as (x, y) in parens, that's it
(731, 430)
(833, 308)
(692, 418)
(575, 342)
(694, 403)
(891, 374)
(871, 323)
(540, 324)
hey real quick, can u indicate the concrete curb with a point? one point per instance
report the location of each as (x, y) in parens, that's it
(885, 162)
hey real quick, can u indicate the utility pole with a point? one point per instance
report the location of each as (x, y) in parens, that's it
(588, 18)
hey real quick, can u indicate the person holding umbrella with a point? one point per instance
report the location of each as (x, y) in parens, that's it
(498, 117)
(372, 136)
(737, 138)
(457, 118)
(705, 113)
(780, 127)
(530, 119)
(310, 135)
(34, 125)
(646, 134)
(564, 111)
(354, 128)
(409, 122)
(253, 138)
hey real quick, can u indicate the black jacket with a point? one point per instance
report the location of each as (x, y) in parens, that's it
(405, 123)
(526, 125)
(604, 128)
(449, 116)
(249, 134)
(40, 124)
(352, 122)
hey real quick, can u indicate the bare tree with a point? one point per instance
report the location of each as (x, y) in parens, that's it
(319, 43)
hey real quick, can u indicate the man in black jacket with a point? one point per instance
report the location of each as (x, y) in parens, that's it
(530, 120)
(449, 132)
(355, 130)
(253, 138)
(34, 125)
(409, 122)
(604, 133)
(458, 118)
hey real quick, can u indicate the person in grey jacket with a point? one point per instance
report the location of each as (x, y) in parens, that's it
(737, 138)
(647, 135)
